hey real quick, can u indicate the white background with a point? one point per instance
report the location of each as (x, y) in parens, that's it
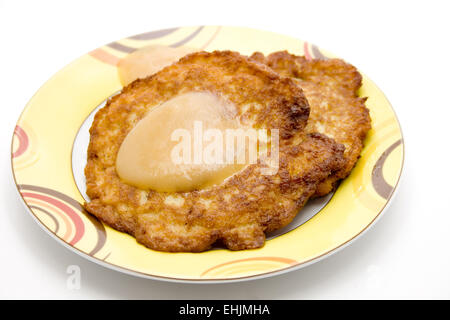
(402, 45)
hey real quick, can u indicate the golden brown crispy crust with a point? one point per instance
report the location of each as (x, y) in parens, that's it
(244, 206)
(330, 87)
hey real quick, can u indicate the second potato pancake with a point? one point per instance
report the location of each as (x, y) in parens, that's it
(330, 87)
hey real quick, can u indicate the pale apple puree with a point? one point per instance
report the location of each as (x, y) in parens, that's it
(149, 156)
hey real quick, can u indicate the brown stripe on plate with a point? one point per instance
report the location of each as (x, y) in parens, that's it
(380, 185)
(153, 34)
(49, 215)
(121, 47)
(126, 49)
(101, 232)
(188, 38)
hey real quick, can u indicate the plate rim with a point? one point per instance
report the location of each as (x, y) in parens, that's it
(263, 275)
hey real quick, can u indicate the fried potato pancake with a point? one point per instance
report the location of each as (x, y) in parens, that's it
(331, 88)
(244, 206)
